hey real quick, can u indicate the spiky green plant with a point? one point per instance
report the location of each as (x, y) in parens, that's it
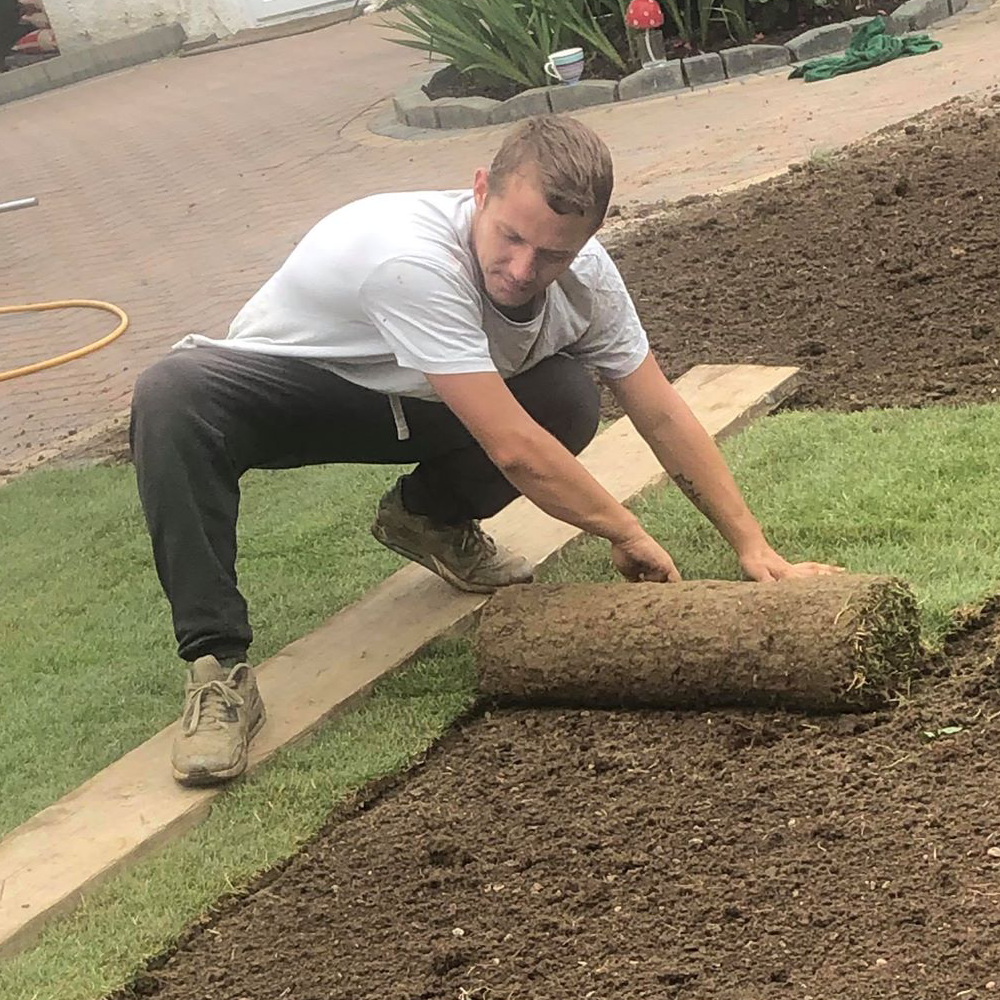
(511, 39)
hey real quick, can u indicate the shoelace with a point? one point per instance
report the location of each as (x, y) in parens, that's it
(209, 703)
(473, 537)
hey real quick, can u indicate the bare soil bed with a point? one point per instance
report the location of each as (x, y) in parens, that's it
(877, 271)
(572, 854)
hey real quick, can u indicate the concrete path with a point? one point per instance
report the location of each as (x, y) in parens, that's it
(174, 189)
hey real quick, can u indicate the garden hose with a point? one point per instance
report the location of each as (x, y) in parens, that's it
(80, 352)
(61, 359)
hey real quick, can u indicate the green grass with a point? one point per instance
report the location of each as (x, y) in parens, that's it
(255, 824)
(88, 664)
(909, 493)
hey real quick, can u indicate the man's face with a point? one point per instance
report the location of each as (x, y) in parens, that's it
(521, 244)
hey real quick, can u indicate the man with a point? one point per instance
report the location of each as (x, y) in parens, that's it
(456, 330)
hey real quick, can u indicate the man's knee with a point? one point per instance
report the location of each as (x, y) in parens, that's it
(165, 389)
(164, 400)
(563, 397)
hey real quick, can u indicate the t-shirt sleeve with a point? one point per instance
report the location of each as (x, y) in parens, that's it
(430, 316)
(615, 343)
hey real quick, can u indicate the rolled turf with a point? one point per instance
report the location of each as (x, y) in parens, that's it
(822, 644)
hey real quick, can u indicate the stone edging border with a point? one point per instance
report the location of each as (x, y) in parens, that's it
(104, 57)
(415, 109)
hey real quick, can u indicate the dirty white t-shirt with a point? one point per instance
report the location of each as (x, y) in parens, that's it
(387, 288)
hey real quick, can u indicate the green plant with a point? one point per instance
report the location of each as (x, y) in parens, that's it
(733, 14)
(694, 21)
(846, 8)
(822, 158)
(504, 40)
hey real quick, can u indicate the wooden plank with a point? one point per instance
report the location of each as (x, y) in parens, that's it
(134, 805)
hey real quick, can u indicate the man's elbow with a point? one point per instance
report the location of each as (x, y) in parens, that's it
(514, 453)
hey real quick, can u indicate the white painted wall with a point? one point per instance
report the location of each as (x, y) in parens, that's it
(79, 23)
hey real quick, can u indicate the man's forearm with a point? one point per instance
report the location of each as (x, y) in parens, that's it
(691, 458)
(537, 463)
(550, 477)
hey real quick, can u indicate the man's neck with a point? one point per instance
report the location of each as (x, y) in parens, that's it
(517, 314)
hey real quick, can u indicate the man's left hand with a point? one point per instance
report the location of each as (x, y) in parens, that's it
(765, 565)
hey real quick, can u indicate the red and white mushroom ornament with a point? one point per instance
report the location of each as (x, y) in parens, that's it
(647, 16)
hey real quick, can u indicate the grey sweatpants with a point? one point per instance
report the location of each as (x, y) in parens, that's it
(202, 416)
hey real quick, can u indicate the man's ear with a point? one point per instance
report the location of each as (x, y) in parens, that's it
(481, 186)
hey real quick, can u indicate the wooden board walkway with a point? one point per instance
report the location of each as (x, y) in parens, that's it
(133, 806)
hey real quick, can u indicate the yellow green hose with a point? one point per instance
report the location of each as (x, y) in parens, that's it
(80, 352)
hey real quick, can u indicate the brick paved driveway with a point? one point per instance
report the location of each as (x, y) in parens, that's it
(175, 188)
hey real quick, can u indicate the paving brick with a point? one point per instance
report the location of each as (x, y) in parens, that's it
(652, 80)
(394, 129)
(706, 68)
(421, 116)
(936, 10)
(754, 59)
(414, 107)
(464, 112)
(583, 95)
(60, 72)
(79, 65)
(164, 40)
(24, 82)
(112, 56)
(523, 105)
(957, 5)
(820, 41)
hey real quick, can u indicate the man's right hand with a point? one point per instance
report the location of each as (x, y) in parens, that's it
(644, 559)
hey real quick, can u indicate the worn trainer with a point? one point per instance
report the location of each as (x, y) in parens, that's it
(223, 712)
(462, 554)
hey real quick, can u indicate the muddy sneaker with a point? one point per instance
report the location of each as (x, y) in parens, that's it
(222, 713)
(462, 554)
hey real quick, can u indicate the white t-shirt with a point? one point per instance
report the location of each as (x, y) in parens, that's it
(387, 288)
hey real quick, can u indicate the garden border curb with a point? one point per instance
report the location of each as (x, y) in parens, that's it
(95, 60)
(415, 114)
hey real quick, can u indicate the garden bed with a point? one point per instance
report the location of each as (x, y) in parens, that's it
(798, 18)
(495, 63)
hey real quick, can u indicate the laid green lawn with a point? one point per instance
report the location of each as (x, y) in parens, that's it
(88, 664)
(86, 661)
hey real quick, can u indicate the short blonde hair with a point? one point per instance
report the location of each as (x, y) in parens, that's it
(571, 162)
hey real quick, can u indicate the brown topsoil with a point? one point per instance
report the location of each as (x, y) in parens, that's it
(876, 270)
(559, 855)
